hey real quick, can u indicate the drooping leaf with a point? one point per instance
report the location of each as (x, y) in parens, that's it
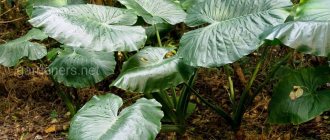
(13, 51)
(148, 71)
(156, 11)
(94, 27)
(233, 30)
(79, 68)
(98, 119)
(309, 32)
(299, 96)
(31, 3)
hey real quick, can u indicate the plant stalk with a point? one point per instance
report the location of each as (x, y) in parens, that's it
(166, 97)
(239, 112)
(166, 106)
(182, 105)
(68, 102)
(231, 85)
(217, 109)
(174, 98)
(158, 36)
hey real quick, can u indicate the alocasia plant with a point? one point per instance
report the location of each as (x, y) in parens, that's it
(98, 119)
(32, 3)
(309, 32)
(13, 51)
(148, 71)
(232, 29)
(77, 67)
(156, 11)
(226, 31)
(93, 27)
(299, 97)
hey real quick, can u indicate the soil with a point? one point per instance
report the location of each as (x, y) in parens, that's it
(30, 108)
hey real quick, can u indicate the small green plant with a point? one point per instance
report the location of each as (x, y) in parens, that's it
(225, 31)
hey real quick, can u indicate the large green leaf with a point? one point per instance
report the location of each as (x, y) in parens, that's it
(233, 30)
(148, 71)
(309, 32)
(98, 28)
(31, 3)
(13, 51)
(299, 96)
(77, 67)
(156, 11)
(98, 119)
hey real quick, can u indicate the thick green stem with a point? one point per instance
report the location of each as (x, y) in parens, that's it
(167, 98)
(231, 85)
(174, 98)
(158, 36)
(68, 102)
(166, 106)
(217, 109)
(239, 112)
(182, 105)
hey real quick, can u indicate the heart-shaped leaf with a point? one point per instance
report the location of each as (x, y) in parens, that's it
(299, 96)
(233, 30)
(98, 119)
(156, 11)
(98, 28)
(31, 3)
(77, 67)
(148, 71)
(13, 51)
(309, 32)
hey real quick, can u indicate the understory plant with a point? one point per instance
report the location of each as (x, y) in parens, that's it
(93, 36)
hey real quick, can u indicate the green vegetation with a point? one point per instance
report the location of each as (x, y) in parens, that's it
(223, 32)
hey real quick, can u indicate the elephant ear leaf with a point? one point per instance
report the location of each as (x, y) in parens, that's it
(156, 11)
(98, 119)
(233, 29)
(148, 71)
(32, 3)
(300, 96)
(79, 68)
(93, 27)
(309, 32)
(13, 51)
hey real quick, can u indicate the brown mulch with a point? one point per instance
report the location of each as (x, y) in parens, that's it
(26, 114)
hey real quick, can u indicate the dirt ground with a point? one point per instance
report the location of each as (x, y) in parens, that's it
(30, 109)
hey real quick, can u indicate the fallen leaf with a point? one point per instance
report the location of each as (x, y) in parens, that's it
(51, 129)
(296, 93)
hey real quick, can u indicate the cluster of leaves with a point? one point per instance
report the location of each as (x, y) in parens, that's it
(228, 30)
